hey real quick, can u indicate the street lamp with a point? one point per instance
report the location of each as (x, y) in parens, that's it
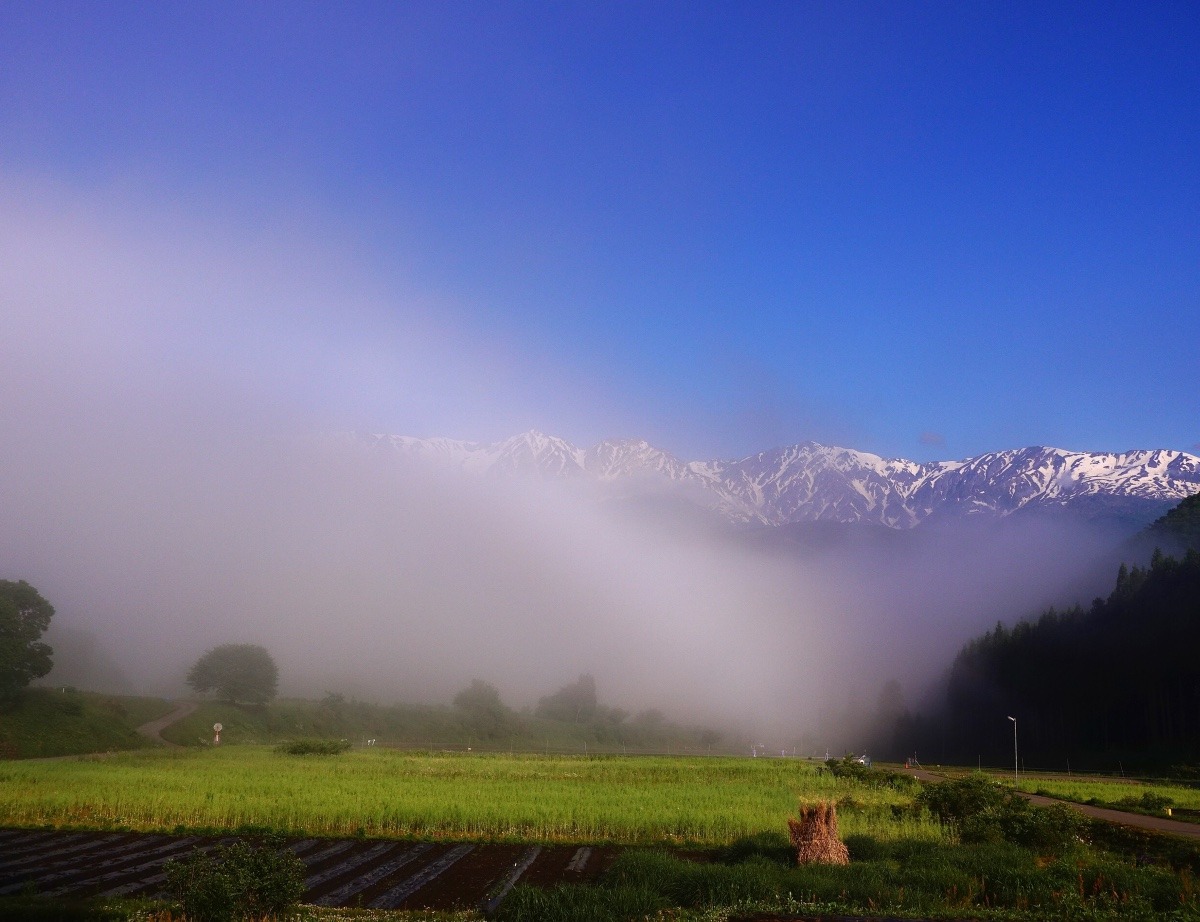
(1014, 720)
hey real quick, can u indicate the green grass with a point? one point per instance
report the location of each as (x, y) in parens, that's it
(694, 802)
(51, 722)
(429, 727)
(1111, 791)
(903, 862)
(927, 879)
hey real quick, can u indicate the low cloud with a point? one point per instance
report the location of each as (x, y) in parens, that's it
(932, 438)
(168, 483)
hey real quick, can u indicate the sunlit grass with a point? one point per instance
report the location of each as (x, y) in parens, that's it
(630, 800)
(1112, 790)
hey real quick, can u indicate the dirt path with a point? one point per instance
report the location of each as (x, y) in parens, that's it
(153, 730)
(1137, 820)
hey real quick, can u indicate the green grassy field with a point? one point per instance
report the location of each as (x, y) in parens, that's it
(1114, 792)
(413, 726)
(904, 862)
(52, 722)
(694, 802)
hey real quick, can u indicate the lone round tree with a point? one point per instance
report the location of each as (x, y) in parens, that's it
(240, 673)
(24, 617)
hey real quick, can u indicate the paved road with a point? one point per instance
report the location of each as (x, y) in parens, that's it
(1137, 820)
(153, 730)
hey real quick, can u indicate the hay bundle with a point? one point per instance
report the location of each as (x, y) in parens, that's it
(815, 836)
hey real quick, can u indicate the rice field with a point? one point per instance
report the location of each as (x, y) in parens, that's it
(680, 801)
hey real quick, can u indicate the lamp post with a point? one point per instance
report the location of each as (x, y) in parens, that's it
(1015, 780)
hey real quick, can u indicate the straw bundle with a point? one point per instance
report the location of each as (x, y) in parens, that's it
(815, 836)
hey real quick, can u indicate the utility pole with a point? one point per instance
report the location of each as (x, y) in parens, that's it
(1015, 763)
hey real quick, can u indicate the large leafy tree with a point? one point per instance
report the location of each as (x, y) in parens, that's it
(486, 714)
(24, 617)
(240, 673)
(575, 703)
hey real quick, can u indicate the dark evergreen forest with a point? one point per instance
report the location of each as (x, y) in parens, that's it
(1117, 683)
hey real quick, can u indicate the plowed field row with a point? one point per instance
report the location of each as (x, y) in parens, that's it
(338, 872)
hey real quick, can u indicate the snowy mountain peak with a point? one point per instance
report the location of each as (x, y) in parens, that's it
(814, 482)
(534, 452)
(616, 458)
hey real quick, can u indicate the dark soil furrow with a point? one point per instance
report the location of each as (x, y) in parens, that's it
(469, 882)
(148, 861)
(315, 883)
(140, 883)
(498, 892)
(392, 898)
(48, 857)
(122, 854)
(339, 872)
(26, 838)
(304, 845)
(317, 860)
(363, 882)
(52, 844)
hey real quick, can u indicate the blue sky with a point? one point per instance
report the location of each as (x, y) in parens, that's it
(924, 230)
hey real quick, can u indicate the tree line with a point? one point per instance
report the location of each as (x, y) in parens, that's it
(1115, 683)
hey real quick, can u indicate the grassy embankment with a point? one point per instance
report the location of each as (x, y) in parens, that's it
(53, 722)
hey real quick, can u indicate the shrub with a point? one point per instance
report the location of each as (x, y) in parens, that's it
(848, 767)
(953, 801)
(238, 881)
(311, 747)
(1149, 801)
(983, 812)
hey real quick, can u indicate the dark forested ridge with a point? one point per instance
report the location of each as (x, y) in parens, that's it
(1117, 681)
(1179, 529)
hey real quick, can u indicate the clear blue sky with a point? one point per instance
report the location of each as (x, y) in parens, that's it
(926, 230)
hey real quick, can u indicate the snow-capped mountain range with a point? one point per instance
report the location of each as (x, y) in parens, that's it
(811, 482)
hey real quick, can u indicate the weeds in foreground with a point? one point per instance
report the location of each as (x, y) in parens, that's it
(988, 880)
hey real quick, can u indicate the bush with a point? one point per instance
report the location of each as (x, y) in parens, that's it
(238, 881)
(848, 767)
(311, 747)
(1149, 801)
(953, 801)
(983, 812)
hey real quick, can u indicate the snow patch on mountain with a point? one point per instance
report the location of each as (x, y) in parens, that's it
(811, 482)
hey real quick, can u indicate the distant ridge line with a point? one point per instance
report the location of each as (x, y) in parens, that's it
(810, 482)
